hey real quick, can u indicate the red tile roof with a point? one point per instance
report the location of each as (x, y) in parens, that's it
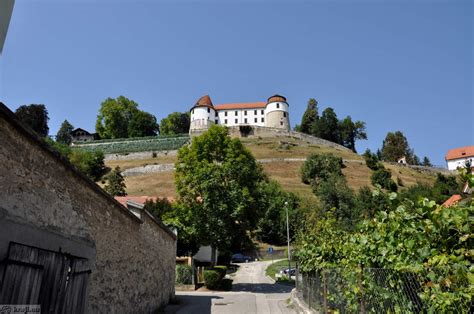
(138, 199)
(453, 200)
(461, 152)
(248, 105)
(276, 98)
(204, 101)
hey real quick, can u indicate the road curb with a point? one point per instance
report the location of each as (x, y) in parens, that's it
(299, 305)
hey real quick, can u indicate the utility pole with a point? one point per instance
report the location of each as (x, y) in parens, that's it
(288, 237)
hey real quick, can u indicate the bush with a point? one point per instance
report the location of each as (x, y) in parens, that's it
(226, 285)
(222, 270)
(184, 274)
(383, 177)
(212, 279)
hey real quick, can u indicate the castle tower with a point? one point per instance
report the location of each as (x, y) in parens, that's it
(276, 113)
(203, 114)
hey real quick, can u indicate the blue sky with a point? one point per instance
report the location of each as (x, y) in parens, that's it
(397, 65)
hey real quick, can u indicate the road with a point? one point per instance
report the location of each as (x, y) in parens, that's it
(252, 292)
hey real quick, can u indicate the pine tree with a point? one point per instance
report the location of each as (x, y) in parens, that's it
(327, 126)
(426, 162)
(309, 117)
(115, 183)
(64, 133)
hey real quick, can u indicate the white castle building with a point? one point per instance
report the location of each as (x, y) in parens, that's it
(271, 114)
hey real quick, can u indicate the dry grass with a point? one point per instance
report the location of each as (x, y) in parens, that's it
(286, 173)
(154, 184)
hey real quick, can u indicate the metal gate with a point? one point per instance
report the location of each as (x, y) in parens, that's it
(57, 281)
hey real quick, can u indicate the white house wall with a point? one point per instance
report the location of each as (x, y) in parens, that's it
(460, 162)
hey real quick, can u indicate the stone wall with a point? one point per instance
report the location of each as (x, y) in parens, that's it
(46, 203)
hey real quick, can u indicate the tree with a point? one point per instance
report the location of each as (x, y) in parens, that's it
(350, 132)
(175, 123)
(426, 162)
(115, 185)
(369, 203)
(121, 118)
(161, 208)
(309, 117)
(35, 117)
(90, 163)
(64, 133)
(383, 177)
(327, 127)
(336, 195)
(317, 168)
(396, 146)
(142, 124)
(371, 160)
(217, 181)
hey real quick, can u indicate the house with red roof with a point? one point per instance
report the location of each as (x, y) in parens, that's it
(457, 157)
(271, 114)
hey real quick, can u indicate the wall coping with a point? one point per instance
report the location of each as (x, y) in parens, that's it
(11, 118)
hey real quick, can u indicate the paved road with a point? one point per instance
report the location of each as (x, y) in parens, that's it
(252, 292)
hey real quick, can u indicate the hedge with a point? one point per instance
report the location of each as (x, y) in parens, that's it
(212, 279)
(184, 274)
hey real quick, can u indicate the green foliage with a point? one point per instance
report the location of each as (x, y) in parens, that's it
(395, 146)
(212, 279)
(335, 195)
(442, 189)
(217, 181)
(121, 118)
(327, 126)
(309, 117)
(90, 163)
(426, 239)
(64, 133)
(155, 143)
(115, 185)
(370, 202)
(272, 226)
(383, 177)
(175, 123)
(35, 117)
(320, 167)
(142, 124)
(372, 160)
(350, 131)
(184, 274)
(161, 208)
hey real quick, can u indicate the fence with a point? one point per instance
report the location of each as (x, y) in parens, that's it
(376, 290)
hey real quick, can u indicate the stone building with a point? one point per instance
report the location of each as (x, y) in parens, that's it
(81, 135)
(69, 246)
(271, 114)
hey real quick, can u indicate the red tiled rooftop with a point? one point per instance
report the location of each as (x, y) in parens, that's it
(461, 152)
(248, 105)
(138, 199)
(452, 200)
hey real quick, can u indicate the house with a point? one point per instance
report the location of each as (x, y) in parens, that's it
(66, 244)
(402, 160)
(81, 135)
(457, 157)
(271, 114)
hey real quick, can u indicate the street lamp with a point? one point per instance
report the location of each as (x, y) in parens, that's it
(288, 237)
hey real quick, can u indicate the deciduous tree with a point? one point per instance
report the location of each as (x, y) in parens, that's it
(395, 146)
(350, 131)
(35, 117)
(64, 133)
(327, 126)
(175, 123)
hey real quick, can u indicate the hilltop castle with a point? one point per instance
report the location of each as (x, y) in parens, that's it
(270, 114)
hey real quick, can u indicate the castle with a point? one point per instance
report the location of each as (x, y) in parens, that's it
(270, 114)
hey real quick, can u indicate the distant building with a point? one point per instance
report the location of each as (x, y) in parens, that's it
(81, 135)
(402, 160)
(457, 158)
(272, 114)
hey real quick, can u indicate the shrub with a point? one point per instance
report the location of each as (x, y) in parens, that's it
(222, 270)
(184, 274)
(383, 177)
(212, 279)
(226, 285)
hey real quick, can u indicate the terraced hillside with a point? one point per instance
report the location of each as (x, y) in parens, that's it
(281, 158)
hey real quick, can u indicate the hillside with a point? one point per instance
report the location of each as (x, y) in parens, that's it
(281, 158)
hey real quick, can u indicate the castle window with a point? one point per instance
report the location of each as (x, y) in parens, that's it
(281, 122)
(225, 113)
(236, 121)
(245, 121)
(255, 113)
(255, 120)
(225, 121)
(263, 119)
(284, 114)
(217, 121)
(262, 111)
(236, 113)
(278, 105)
(245, 112)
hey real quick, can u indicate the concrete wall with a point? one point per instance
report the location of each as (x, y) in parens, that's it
(46, 203)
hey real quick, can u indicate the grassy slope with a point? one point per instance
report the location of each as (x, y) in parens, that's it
(287, 173)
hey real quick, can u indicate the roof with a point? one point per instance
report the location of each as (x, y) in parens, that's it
(461, 152)
(204, 101)
(453, 200)
(276, 98)
(78, 130)
(138, 199)
(248, 105)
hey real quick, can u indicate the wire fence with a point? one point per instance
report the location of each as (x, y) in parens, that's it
(376, 290)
